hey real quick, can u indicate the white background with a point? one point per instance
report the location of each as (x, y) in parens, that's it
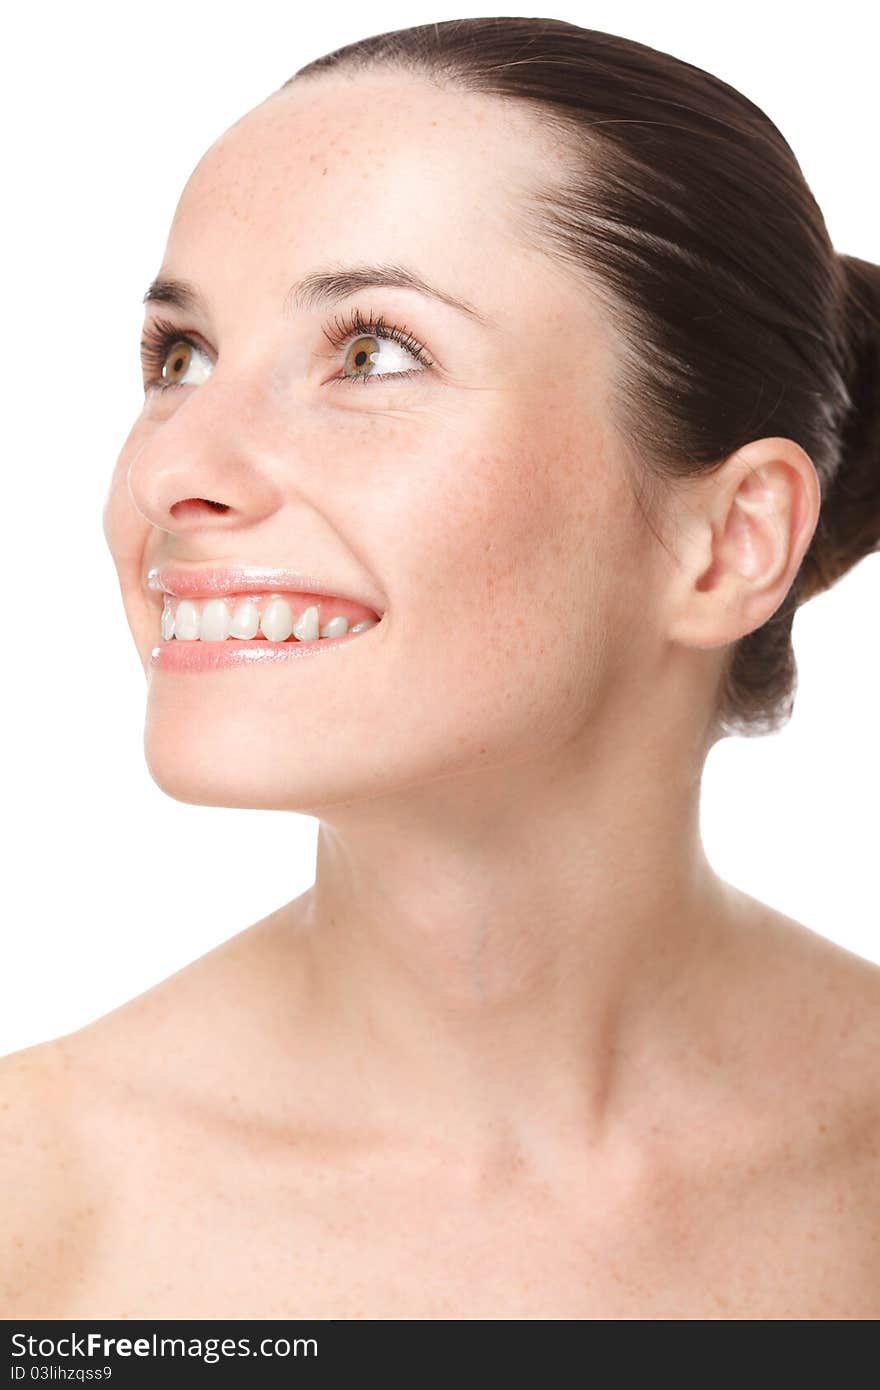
(109, 885)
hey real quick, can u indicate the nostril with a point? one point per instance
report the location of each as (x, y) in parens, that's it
(182, 509)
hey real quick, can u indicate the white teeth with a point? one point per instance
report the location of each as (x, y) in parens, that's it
(245, 621)
(186, 621)
(305, 629)
(276, 623)
(214, 622)
(217, 619)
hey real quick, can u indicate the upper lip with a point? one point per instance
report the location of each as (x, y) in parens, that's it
(243, 579)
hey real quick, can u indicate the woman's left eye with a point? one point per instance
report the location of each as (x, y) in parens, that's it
(374, 339)
(374, 343)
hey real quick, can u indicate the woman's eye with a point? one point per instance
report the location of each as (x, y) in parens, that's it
(179, 358)
(370, 355)
(371, 351)
(170, 358)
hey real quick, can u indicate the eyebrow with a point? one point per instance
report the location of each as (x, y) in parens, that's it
(322, 287)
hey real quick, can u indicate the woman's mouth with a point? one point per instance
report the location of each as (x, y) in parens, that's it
(220, 632)
(264, 617)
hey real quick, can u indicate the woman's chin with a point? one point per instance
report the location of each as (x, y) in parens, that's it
(197, 770)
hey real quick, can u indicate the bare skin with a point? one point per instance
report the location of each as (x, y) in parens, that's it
(518, 1052)
(155, 1177)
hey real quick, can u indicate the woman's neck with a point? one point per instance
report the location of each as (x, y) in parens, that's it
(512, 952)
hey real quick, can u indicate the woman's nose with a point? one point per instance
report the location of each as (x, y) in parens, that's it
(204, 467)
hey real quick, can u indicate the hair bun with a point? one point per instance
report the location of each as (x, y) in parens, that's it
(848, 528)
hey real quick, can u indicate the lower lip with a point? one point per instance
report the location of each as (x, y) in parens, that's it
(175, 655)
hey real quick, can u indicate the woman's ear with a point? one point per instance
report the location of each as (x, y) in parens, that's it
(740, 542)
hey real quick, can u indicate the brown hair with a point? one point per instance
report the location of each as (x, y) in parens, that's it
(685, 209)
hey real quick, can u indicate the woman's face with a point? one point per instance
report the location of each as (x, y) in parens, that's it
(478, 503)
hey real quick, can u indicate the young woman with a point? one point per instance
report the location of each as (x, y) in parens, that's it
(504, 397)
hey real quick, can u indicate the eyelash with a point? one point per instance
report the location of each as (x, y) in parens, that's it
(160, 335)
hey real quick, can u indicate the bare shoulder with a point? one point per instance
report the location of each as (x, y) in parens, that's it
(850, 1049)
(844, 1072)
(831, 991)
(812, 1023)
(43, 1210)
(87, 1118)
(821, 1003)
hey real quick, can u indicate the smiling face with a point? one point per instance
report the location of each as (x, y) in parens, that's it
(463, 481)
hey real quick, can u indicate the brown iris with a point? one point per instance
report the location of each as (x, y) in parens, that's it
(176, 360)
(360, 354)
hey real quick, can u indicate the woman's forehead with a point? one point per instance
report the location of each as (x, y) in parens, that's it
(343, 176)
(394, 174)
(389, 149)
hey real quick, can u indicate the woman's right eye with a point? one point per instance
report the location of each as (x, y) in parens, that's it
(167, 356)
